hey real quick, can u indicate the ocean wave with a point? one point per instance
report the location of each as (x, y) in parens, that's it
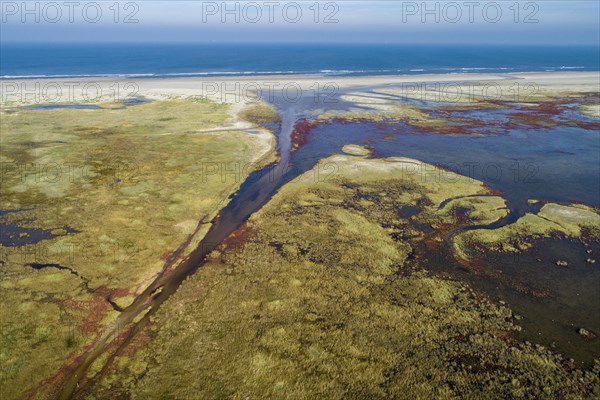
(157, 75)
(72, 76)
(486, 69)
(325, 72)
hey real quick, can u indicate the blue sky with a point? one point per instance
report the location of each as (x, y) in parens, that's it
(458, 22)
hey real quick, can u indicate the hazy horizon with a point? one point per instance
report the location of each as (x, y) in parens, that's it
(461, 23)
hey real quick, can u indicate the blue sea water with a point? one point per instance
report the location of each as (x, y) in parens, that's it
(29, 60)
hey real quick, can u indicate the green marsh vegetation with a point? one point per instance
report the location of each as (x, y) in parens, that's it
(121, 190)
(574, 221)
(259, 113)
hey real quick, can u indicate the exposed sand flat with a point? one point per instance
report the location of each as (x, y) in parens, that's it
(240, 89)
(592, 111)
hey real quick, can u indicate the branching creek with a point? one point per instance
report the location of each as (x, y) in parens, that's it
(551, 164)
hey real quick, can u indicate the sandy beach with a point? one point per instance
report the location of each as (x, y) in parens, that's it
(236, 89)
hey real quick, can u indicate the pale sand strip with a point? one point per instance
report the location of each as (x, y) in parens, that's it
(233, 89)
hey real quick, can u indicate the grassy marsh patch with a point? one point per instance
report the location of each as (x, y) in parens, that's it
(553, 220)
(131, 184)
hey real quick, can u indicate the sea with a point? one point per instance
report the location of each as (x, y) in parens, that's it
(162, 60)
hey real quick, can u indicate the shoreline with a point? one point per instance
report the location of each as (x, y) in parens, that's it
(350, 80)
(236, 89)
(286, 74)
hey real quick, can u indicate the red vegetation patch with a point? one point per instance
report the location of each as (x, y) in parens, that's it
(589, 126)
(452, 126)
(237, 239)
(550, 114)
(97, 309)
(137, 342)
(300, 132)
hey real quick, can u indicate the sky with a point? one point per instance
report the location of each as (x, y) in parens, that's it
(545, 22)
